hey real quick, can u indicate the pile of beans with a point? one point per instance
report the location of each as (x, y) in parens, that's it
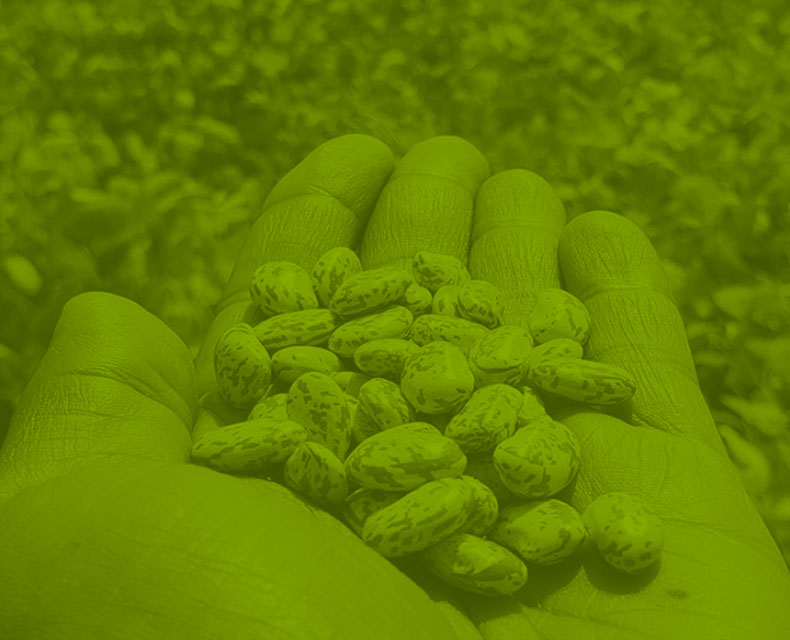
(397, 400)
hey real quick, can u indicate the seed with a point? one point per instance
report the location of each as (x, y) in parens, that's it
(280, 287)
(559, 314)
(434, 270)
(242, 366)
(316, 472)
(317, 403)
(437, 378)
(370, 290)
(331, 270)
(291, 362)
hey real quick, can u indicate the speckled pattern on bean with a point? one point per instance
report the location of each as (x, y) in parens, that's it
(583, 380)
(282, 286)
(331, 269)
(383, 401)
(480, 301)
(484, 509)
(557, 348)
(404, 457)
(316, 472)
(559, 314)
(310, 327)
(532, 408)
(538, 461)
(370, 290)
(270, 407)
(316, 402)
(363, 503)
(502, 355)
(417, 299)
(458, 331)
(291, 362)
(421, 518)
(543, 532)
(434, 270)
(247, 447)
(384, 358)
(476, 565)
(445, 301)
(437, 378)
(488, 418)
(242, 366)
(628, 534)
(393, 322)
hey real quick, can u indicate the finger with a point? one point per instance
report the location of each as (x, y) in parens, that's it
(608, 263)
(324, 202)
(427, 204)
(517, 226)
(115, 383)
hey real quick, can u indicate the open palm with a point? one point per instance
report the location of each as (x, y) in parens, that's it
(107, 532)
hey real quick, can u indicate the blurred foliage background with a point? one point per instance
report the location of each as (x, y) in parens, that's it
(137, 140)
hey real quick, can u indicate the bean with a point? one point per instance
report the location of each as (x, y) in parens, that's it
(310, 327)
(331, 270)
(445, 301)
(559, 314)
(270, 407)
(419, 519)
(370, 290)
(583, 380)
(280, 287)
(477, 565)
(458, 331)
(291, 362)
(501, 356)
(404, 457)
(316, 472)
(248, 447)
(317, 403)
(629, 536)
(484, 509)
(242, 366)
(437, 378)
(384, 403)
(480, 301)
(532, 408)
(488, 418)
(363, 503)
(538, 461)
(393, 322)
(384, 358)
(417, 299)
(434, 270)
(543, 532)
(558, 347)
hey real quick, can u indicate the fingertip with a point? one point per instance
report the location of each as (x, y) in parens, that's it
(601, 250)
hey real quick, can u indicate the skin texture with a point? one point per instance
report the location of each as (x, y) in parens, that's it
(107, 532)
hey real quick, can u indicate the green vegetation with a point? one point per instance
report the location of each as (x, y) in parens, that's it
(136, 142)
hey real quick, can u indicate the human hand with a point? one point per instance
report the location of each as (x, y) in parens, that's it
(105, 531)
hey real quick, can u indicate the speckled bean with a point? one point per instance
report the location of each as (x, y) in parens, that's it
(317, 473)
(484, 509)
(559, 314)
(543, 532)
(282, 286)
(445, 301)
(384, 358)
(434, 270)
(331, 269)
(538, 461)
(416, 299)
(404, 457)
(477, 565)
(363, 503)
(393, 322)
(437, 378)
(248, 447)
(316, 402)
(480, 301)
(583, 380)
(243, 367)
(310, 327)
(370, 290)
(458, 331)
(532, 408)
(629, 536)
(558, 347)
(488, 418)
(291, 362)
(270, 407)
(419, 519)
(383, 401)
(502, 355)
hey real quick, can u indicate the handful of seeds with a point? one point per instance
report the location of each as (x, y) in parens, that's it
(397, 400)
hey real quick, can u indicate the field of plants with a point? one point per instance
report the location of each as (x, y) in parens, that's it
(137, 141)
